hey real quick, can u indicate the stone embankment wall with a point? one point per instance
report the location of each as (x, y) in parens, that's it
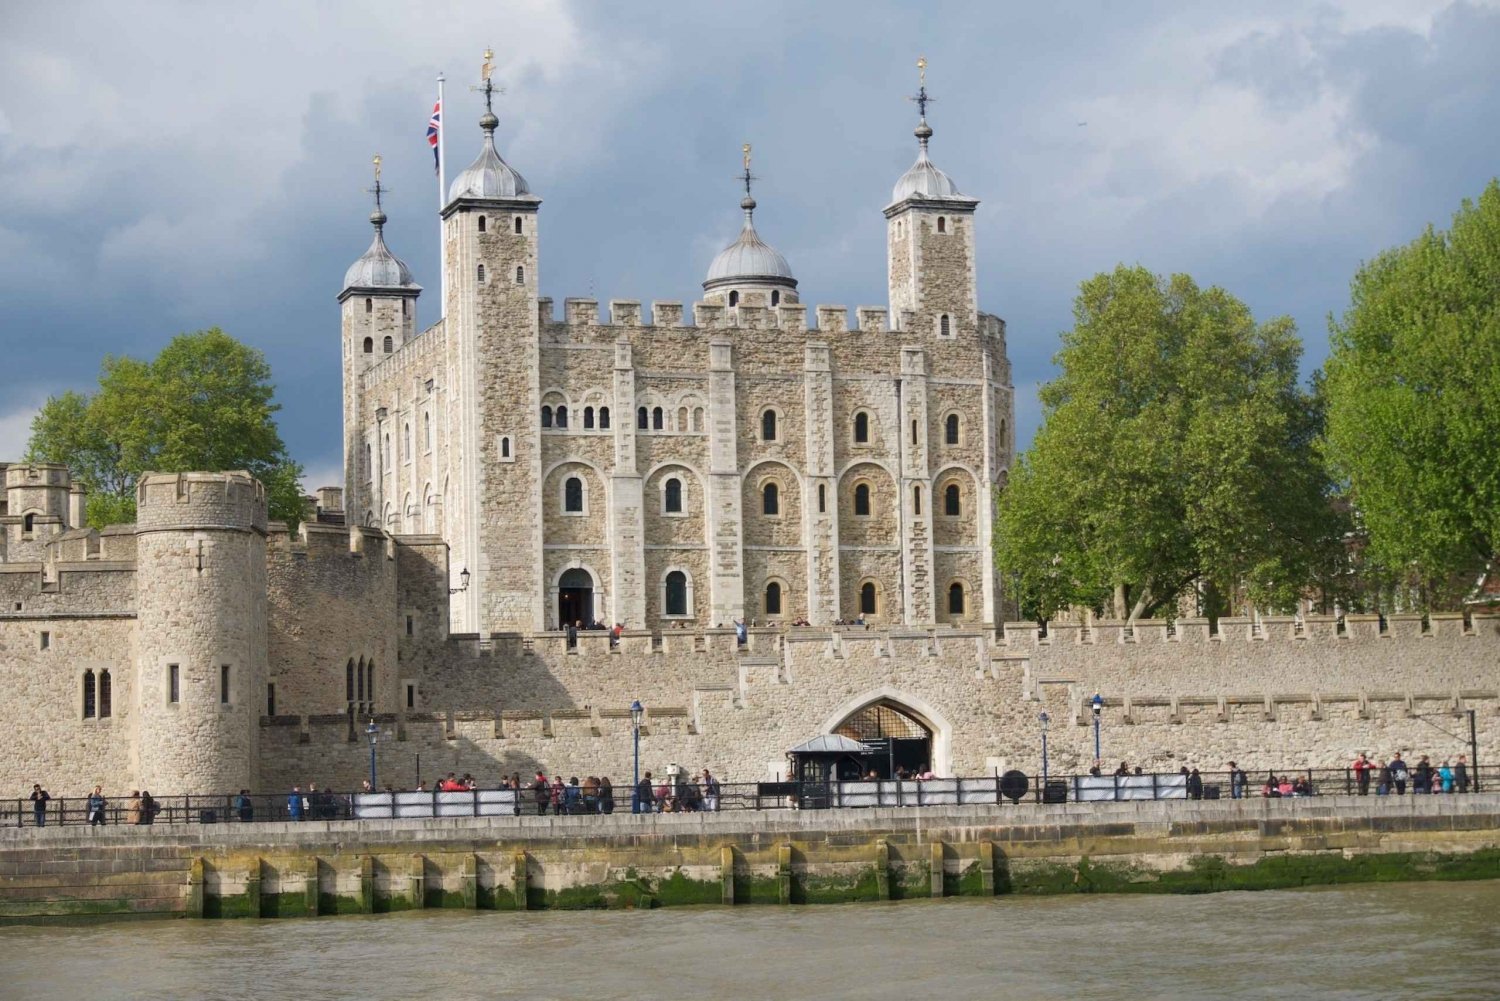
(783, 857)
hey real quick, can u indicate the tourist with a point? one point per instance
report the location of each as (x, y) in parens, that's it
(1399, 774)
(1285, 786)
(1238, 780)
(1445, 777)
(1362, 773)
(591, 794)
(661, 797)
(1461, 774)
(133, 808)
(365, 787)
(572, 797)
(540, 793)
(641, 798)
(96, 806)
(573, 634)
(39, 798)
(740, 633)
(1421, 776)
(1271, 789)
(294, 803)
(558, 792)
(1437, 782)
(1195, 785)
(1124, 769)
(1383, 779)
(606, 795)
(711, 792)
(149, 808)
(244, 806)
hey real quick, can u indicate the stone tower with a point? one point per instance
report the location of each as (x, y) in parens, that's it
(490, 234)
(201, 631)
(379, 311)
(40, 502)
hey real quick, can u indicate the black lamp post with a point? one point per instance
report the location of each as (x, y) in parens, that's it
(1098, 704)
(463, 581)
(372, 732)
(637, 713)
(1046, 721)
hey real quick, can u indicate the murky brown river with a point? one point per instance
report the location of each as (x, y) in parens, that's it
(1381, 941)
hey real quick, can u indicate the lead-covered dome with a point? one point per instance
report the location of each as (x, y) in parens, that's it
(378, 268)
(489, 176)
(749, 259)
(924, 179)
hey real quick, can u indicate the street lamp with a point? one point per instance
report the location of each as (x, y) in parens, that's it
(373, 733)
(637, 713)
(1045, 721)
(463, 580)
(1098, 704)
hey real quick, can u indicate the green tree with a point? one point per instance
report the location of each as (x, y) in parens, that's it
(1176, 450)
(204, 403)
(1413, 382)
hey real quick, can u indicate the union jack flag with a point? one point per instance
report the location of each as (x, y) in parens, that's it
(433, 124)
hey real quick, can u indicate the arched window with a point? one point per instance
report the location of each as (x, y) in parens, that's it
(697, 418)
(349, 682)
(944, 330)
(867, 598)
(951, 504)
(388, 345)
(916, 500)
(505, 446)
(773, 598)
(734, 298)
(359, 682)
(562, 416)
(955, 598)
(682, 418)
(942, 225)
(950, 430)
(770, 501)
(546, 417)
(106, 695)
(604, 418)
(369, 345)
(861, 428)
(768, 425)
(588, 418)
(28, 524)
(481, 274)
(518, 224)
(676, 596)
(641, 418)
(90, 707)
(775, 297)
(370, 686)
(481, 224)
(573, 495)
(520, 276)
(369, 305)
(672, 499)
(658, 419)
(862, 500)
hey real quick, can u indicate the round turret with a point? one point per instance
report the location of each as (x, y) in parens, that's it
(200, 631)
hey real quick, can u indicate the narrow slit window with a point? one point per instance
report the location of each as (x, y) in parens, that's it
(369, 305)
(861, 428)
(90, 706)
(481, 224)
(916, 500)
(822, 498)
(270, 698)
(223, 684)
(106, 695)
(950, 430)
(505, 447)
(944, 328)
(349, 681)
(520, 276)
(174, 684)
(481, 274)
(411, 694)
(518, 224)
(411, 624)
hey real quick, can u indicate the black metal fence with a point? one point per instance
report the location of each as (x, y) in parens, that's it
(1011, 789)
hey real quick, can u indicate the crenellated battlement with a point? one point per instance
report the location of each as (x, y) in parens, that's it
(328, 542)
(185, 501)
(1268, 631)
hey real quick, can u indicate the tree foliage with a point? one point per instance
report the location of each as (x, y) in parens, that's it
(204, 403)
(1413, 383)
(1176, 449)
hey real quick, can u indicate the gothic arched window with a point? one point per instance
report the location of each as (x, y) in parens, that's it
(770, 500)
(106, 695)
(90, 706)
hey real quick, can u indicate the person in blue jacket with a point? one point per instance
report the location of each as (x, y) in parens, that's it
(294, 803)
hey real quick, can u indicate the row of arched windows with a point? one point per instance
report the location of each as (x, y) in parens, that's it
(557, 417)
(388, 345)
(483, 223)
(734, 298)
(359, 686)
(520, 275)
(656, 419)
(98, 696)
(574, 500)
(869, 598)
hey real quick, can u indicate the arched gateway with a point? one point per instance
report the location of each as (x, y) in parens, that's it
(908, 732)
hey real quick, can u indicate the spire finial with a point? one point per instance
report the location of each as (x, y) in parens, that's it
(377, 218)
(488, 121)
(748, 202)
(923, 130)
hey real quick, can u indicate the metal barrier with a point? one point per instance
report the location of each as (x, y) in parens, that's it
(991, 790)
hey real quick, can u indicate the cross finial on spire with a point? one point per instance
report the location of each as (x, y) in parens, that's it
(487, 87)
(747, 177)
(378, 216)
(921, 95)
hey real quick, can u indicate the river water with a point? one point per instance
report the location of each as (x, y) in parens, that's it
(1419, 940)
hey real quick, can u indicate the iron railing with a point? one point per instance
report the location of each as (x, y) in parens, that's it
(992, 790)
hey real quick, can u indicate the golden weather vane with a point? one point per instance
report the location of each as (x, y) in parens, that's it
(922, 70)
(921, 95)
(488, 67)
(746, 150)
(377, 167)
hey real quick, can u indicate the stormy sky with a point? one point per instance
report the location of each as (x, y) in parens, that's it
(171, 166)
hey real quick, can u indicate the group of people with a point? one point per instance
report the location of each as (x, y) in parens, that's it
(1395, 775)
(310, 804)
(139, 809)
(677, 793)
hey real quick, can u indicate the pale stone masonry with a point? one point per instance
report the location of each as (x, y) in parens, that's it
(675, 470)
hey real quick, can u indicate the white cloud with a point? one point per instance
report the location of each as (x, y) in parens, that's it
(15, 429)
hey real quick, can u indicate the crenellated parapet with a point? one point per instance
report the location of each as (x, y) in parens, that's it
(233, 501)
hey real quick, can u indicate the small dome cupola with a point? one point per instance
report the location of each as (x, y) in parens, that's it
(749, 260)
(924, 181)
(489, 176)
(378, 269)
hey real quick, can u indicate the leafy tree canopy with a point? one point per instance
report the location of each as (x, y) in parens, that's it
(1413, 384)
(204, 403)
(1176, 450)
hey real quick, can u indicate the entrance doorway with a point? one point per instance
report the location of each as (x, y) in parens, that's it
(902, 741)
(575, 598)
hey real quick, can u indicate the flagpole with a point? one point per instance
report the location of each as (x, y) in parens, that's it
(442, 198)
